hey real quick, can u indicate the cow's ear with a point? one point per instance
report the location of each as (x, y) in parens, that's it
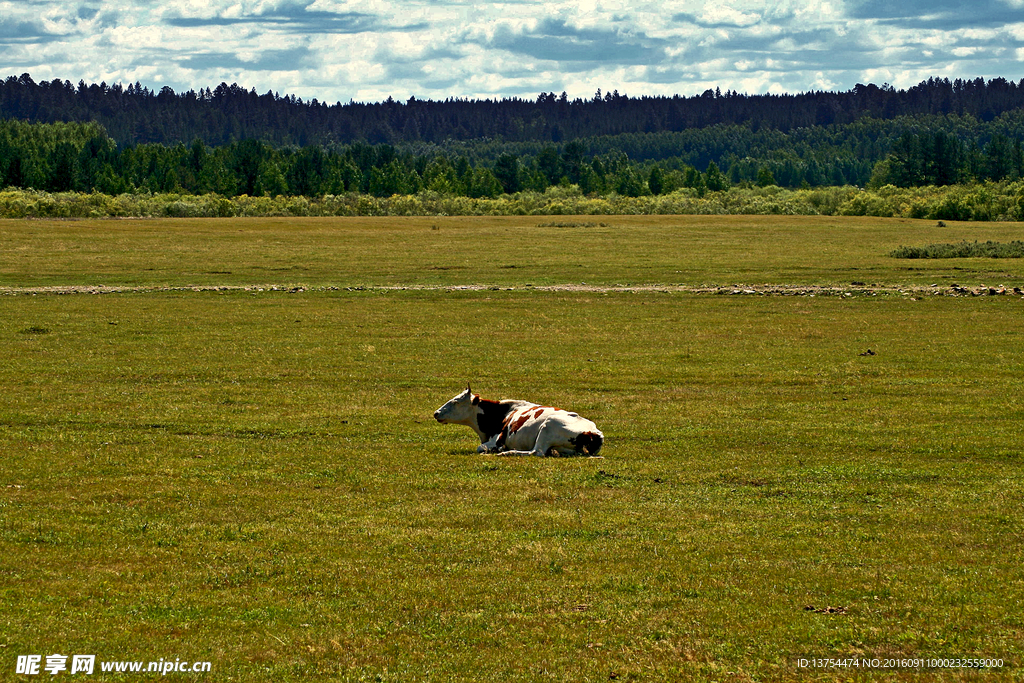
(476, 399)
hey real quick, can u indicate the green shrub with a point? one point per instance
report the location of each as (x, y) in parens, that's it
(979, 202)
(964, 249)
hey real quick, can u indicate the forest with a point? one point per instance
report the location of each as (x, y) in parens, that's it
(135, 114)
(230, 142)
(906, 152)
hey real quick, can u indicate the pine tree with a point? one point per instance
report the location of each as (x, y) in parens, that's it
(656, 181)
(715, 180)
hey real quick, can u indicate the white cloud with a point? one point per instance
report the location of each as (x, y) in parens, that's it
(822, 82)
(1015, 30)
(134, 37)
(369, 49)
(714, 14)
(979, 34)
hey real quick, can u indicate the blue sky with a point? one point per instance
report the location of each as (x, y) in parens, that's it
(367, 50)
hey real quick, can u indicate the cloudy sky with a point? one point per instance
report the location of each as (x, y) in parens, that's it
(367, 50)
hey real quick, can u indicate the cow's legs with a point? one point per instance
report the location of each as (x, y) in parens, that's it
(520, 453)
(490, 446)
(550, 436)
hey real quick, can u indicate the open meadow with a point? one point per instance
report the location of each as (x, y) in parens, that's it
(226, 453)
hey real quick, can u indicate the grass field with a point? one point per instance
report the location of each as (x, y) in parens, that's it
(503, 251)
(253, 478)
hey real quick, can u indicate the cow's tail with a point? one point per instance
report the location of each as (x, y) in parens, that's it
(589, 443)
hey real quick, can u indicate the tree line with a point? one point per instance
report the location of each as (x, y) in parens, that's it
(906, 152)
(941, 158)
(135, 114)
(65, 157)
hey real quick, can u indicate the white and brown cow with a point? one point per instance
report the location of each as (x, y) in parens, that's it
(521, 428)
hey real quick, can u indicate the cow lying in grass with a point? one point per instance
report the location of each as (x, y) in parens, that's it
(521, 428)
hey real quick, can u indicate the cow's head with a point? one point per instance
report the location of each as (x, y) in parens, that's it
(460, 410)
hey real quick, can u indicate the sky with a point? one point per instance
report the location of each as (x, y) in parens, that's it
(369, 50)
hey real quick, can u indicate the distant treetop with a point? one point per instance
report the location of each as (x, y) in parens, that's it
(135, 114)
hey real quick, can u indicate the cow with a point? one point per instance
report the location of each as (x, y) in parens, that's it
(520, 427)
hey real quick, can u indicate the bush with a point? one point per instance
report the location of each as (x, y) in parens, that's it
(989, 201)
(964, 249)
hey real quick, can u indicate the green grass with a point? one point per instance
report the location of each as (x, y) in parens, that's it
(254, 478)
(499, 251)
